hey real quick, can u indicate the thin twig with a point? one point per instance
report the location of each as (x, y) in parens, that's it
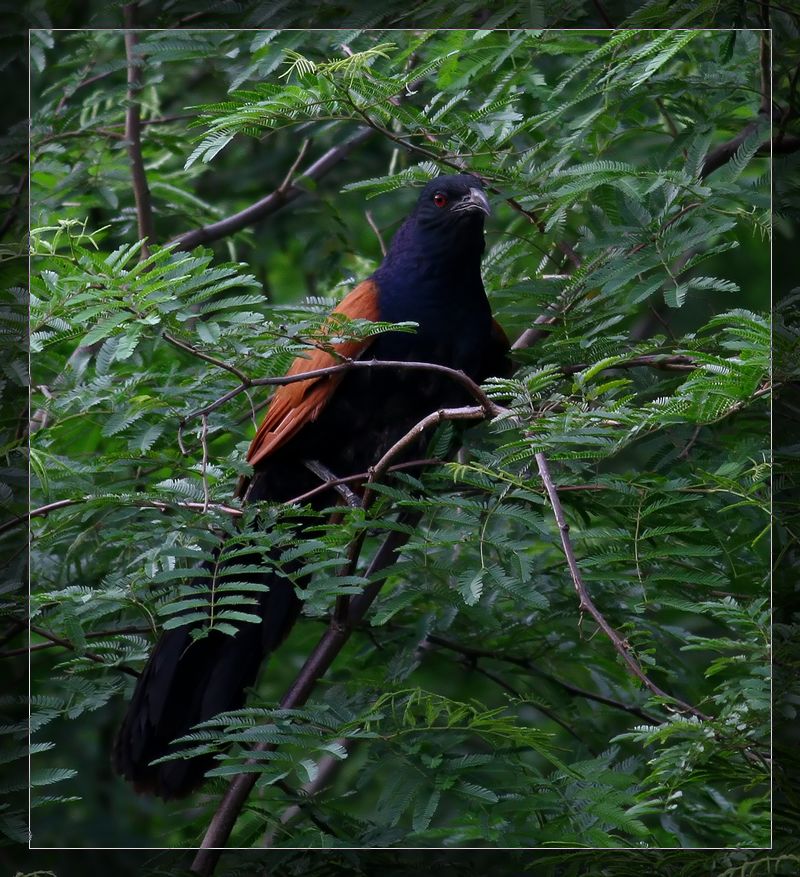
(346, 365)
(456, 165)
(287, 180)
(765, 63)
(526, 664)
(97, 659)
(219, 363)
(586, 604)
(329, 480)
(603, 13)
(374, 227)
(141, 191)
(684, 454)
(360, 476)
(52, 644)
(16, 626)
(304, 806)
(90, 80)
(44, 510)
(506, 686)
(107, 131)
(677, 362)
(466, 412)
(204, 465)
(11, 215)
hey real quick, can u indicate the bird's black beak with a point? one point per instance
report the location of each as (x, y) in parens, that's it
(475, 199)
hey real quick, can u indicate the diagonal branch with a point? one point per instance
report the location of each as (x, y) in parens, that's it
(327, 767)
(133, 129)
(283, 195)
(586, 604)
(526, 664)
(315, 667)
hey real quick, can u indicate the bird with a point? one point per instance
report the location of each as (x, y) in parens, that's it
(344, 422)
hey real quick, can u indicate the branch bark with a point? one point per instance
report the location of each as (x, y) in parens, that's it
(586, 604)
(526, 664)
(92, 656)
(279, 380)
(273, 202)
(315, 667)
(133, 130)
(677, 362)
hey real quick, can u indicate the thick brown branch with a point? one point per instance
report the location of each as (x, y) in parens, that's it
(317, 664)
(273, 202)
(783, 144)
(586, 604)
(133, 129)
(722, 154)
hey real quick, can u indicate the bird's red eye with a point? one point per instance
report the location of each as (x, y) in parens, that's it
(439, 200)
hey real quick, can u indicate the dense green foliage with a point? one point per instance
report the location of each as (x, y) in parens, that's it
(665, 475)
(481, 706)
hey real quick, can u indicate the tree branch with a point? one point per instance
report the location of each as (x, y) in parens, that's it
(471, 663)
(316, 665)
(467, 412)
(346, 365)
(11, 215)
(586, 604)
(327, 767)
(54, 643)
(531, 215)
(526, 664)
(360, 476)
(677, 362)
(219, 363)
(603, 13)
(44, 510)
(273, 202)
(141, 191)
(92, 656)
(765, 63)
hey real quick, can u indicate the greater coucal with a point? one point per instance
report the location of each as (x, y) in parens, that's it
(431, 276)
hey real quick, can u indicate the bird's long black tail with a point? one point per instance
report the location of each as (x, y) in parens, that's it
(188, 681)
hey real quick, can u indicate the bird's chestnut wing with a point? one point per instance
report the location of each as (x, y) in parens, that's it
(298, 403)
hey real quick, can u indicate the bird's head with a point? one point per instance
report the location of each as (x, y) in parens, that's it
(453, 202)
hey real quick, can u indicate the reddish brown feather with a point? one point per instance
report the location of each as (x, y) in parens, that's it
(294, 405)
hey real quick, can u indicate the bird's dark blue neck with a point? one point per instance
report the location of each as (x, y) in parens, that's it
(425, 271)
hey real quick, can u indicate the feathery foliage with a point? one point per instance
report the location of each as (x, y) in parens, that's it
(477, 704)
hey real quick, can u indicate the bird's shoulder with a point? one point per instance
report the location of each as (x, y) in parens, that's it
(299, 402)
